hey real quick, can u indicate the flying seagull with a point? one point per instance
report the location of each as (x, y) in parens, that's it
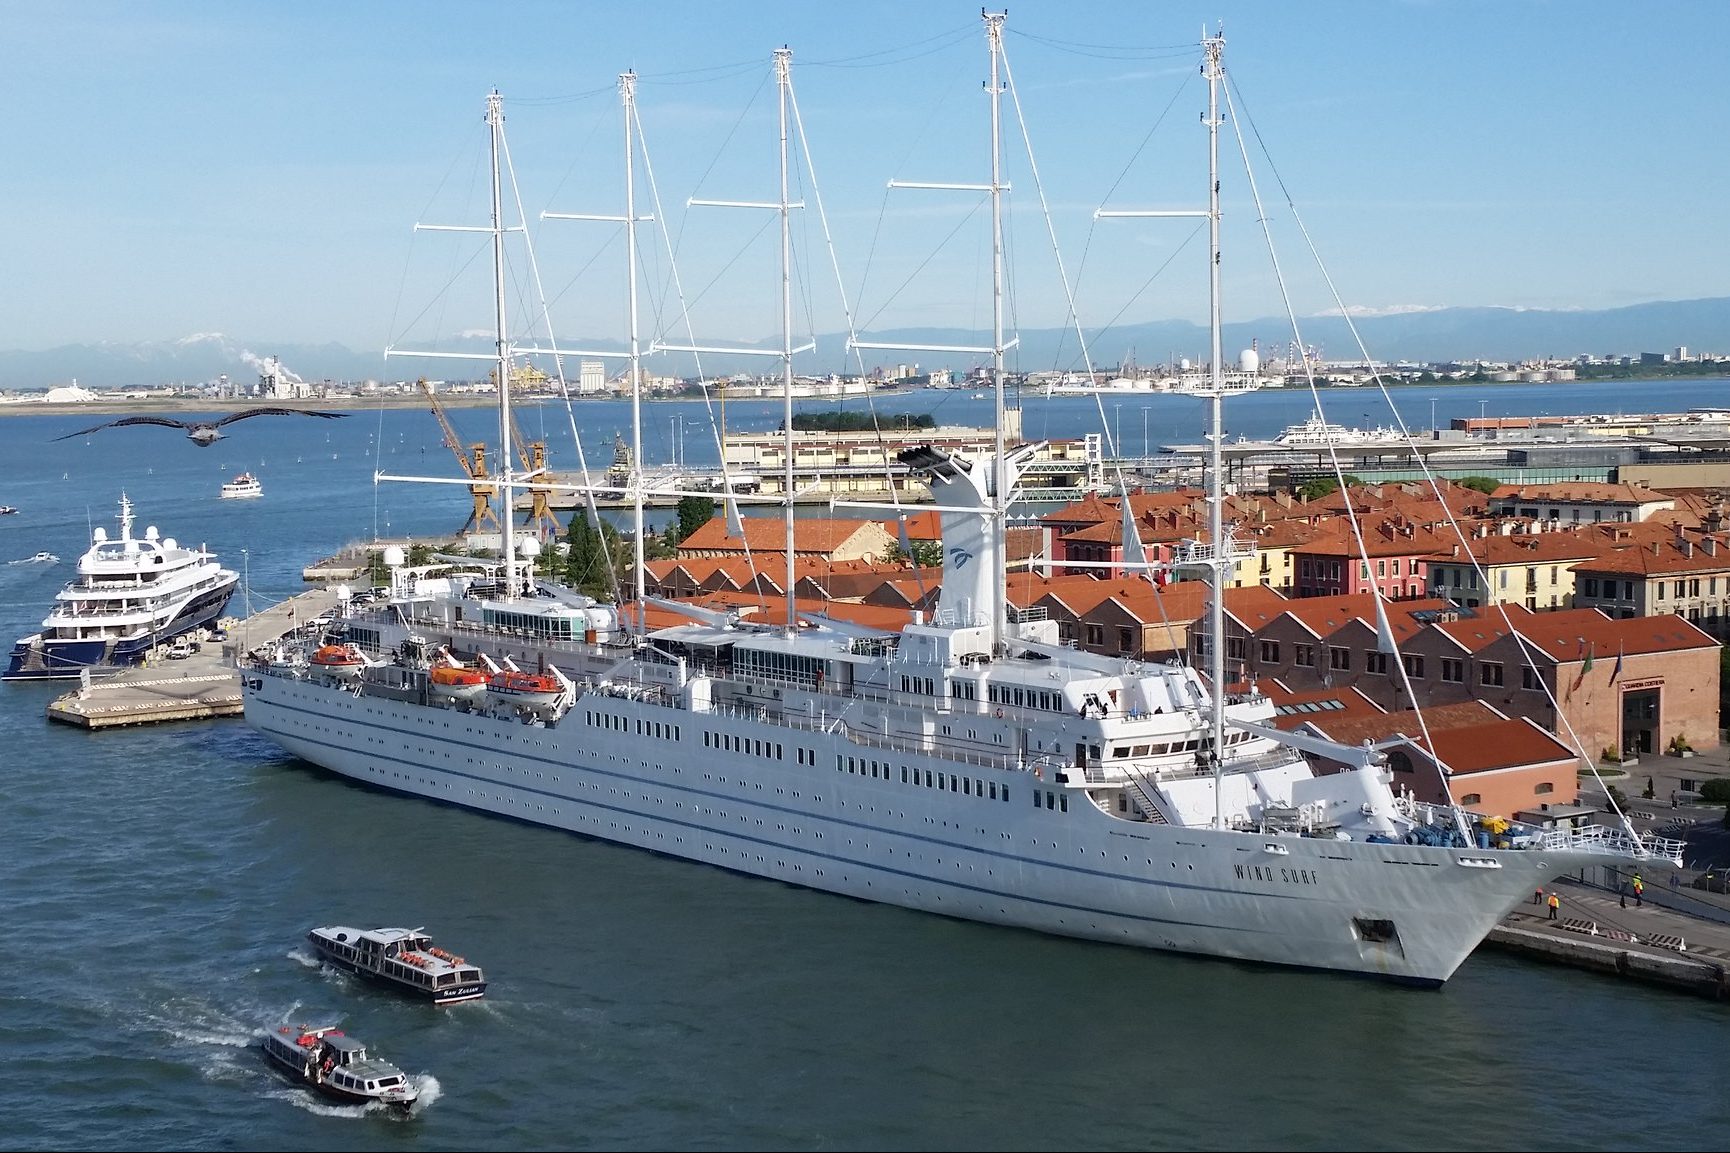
(202, 433)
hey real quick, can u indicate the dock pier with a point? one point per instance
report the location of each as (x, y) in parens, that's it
(200, 687)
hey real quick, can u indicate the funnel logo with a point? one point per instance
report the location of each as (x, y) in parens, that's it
(959, 557)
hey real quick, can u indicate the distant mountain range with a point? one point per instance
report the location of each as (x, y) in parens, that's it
(1437, 335)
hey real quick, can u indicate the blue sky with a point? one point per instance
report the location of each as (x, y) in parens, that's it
(255, 169)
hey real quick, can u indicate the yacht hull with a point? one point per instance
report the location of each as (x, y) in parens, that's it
(818, 809)
(34, 658)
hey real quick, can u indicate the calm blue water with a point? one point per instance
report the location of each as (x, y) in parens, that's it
(155, 885)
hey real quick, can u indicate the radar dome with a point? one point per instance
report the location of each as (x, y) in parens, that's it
(529, 547)
(394, 557)
(1184, 365)
(150, 533)
(1249, 360)
(171, 544)
(99, 535)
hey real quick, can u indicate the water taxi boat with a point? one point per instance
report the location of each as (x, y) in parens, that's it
(328, 1061)
(404, 959)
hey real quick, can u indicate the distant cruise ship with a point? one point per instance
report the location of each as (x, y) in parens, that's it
(130, 595)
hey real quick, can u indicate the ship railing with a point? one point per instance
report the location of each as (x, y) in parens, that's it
(1613, 842)
(830, 723)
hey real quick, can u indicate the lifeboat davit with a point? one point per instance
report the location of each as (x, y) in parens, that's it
(338, 661)
(453, 682)
(525, 690)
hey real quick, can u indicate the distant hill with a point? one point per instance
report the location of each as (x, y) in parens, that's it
(1439, 335)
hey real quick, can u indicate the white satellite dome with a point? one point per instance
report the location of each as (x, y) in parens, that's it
(394, 557)
(1249, 360)
(1184, 365)
(529, 547)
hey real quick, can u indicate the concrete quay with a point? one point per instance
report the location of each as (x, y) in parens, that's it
(200, 687)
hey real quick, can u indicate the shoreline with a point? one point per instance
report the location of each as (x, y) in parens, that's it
(183, 404)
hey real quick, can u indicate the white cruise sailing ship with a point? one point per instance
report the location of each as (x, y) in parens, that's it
(969, 765)
(130, 595)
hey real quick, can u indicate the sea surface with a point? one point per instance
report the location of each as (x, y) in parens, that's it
(156, 885)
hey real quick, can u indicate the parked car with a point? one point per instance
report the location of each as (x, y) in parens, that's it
(1714, 881)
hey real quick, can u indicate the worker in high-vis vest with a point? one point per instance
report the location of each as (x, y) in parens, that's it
(1555, 905)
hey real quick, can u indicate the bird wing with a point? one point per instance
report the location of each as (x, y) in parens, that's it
(162, 420)
(234, 416)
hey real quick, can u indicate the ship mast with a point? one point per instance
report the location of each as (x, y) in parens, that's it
(1220, 553)
(507, 542)
(1000, 467)
(783, 77)
(628, 97)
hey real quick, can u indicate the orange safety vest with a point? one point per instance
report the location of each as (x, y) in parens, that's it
(1555, 901)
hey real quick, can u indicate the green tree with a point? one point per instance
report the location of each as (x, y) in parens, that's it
(1483, 484)
(693, 513)
(587, 552)
(926, 554)
(1323, 485)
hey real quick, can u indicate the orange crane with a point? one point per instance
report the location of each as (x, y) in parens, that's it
(532, 455)
(474, 468)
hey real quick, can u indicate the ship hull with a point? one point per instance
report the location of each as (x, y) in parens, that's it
(991, 844)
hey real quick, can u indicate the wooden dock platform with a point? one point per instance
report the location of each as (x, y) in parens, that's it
(203, 686)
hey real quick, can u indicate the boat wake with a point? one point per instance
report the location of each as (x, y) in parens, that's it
(39, 558)
(304, 959)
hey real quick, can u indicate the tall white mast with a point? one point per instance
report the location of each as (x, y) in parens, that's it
(1000, 467)
(627, 98)
(1221, 553)
(507, 543)
(783, 77)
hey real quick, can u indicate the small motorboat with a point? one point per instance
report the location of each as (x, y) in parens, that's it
(7, 510)
(242, 487)
(341, 661)
(404, 959)
(39, 558)
(328, 1061)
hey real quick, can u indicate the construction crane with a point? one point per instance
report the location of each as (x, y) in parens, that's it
(474, 466)
(532, 456)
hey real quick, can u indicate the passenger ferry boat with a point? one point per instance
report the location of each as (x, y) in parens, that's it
(328, 1061)
(971, 765)
(130, 595)
(243, 487)
(403, 959)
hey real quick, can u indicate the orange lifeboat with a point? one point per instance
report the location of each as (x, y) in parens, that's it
(530, 690)
(453, 682)
(452, 675)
